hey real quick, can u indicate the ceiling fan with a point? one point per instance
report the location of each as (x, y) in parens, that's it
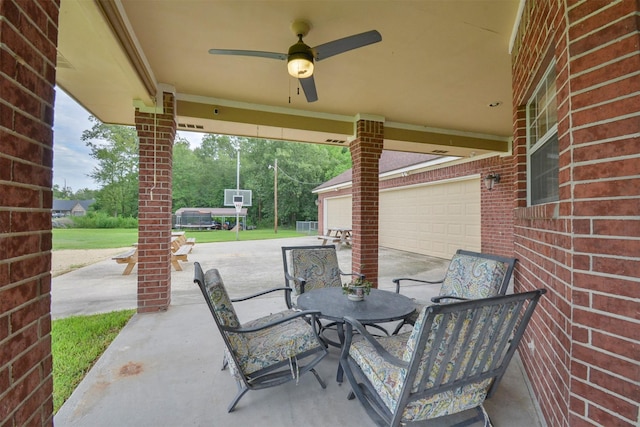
(300, 57)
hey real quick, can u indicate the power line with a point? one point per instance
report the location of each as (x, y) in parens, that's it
(297, 181)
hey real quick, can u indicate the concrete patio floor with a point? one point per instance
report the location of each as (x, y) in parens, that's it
(163, 369)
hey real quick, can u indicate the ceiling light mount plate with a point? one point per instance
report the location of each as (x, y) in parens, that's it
(300, 27)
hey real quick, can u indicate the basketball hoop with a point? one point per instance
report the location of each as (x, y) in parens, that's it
(238, 206)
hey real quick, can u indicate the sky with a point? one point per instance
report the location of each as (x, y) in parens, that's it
(71, 160)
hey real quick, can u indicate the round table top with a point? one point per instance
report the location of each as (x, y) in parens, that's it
(378, 306)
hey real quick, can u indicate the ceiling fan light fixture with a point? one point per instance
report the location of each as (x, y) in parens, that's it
(300, 60)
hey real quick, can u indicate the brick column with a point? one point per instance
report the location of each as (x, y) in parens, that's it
(365, 155)
(28, 40)
(156, 133)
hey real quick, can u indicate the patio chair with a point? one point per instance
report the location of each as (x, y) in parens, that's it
(451, 361)
(470, 275)
(312, 267)
(265, 352)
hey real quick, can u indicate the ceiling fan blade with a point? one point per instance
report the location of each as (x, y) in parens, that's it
(335, 47)
(309, 88)
(258, 53)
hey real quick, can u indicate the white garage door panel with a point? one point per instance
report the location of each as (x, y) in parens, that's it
(338, 212)
(434, 220)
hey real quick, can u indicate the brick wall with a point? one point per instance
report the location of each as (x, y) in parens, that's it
(585, 249)
(28, 37)
(365, 155)
(156, 133)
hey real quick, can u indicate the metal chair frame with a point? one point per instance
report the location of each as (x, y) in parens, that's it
(510, 264)
(276, 373)
(433, 330)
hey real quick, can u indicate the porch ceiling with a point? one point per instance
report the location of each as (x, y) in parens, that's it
(431, 79)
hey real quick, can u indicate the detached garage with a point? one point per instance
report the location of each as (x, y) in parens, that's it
(420, 214)
(434, 219)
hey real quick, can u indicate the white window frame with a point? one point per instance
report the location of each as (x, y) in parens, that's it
(542, 140)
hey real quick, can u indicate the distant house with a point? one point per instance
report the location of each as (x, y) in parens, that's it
(70, 207)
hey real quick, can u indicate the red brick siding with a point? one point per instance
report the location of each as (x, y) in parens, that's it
(585, 248)
(156, 134)
(28, 37)
(365, 154)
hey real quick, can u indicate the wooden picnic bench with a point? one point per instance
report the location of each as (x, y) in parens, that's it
(130, 258)
(337, 235)
(178, 240)
(180, 248)
(180, 255)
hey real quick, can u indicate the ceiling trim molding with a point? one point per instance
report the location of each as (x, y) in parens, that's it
(369, 117)
(116, 17)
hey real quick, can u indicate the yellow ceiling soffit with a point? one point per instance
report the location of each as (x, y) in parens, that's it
(444, 139)
(119, 27)
(263, 118)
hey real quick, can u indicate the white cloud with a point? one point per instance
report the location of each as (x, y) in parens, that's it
(71, 160)
(194, 138)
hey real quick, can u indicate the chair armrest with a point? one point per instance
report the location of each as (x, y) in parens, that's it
(352, 323)
(312, 313)
(268, 291)
(296, 280)
(429, 282)
(438, 299)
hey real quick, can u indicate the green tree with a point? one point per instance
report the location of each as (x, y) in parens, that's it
(116, 150)
(301, 168)
(66, 193)
(85, 194)
(217, 154)
(186, 172)
(62, 193)
(201, 175)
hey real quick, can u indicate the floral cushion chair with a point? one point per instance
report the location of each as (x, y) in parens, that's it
(470, 275)
(450, 362)
(264, 352)
(312, 267)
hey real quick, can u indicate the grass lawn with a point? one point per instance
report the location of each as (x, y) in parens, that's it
(76, 343)
(104, 238)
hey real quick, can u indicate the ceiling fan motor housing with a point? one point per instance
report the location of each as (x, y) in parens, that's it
(300, 60)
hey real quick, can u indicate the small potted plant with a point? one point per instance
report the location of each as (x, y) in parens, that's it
(357, 289)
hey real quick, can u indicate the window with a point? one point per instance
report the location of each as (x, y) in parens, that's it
(542, 141)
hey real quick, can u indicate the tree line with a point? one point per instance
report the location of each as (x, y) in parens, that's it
(201, 174)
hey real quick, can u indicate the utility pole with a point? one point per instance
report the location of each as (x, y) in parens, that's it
(275, 197)
(238, 190)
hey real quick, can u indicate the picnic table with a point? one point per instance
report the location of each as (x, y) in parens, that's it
(339, 235)
(181, 246)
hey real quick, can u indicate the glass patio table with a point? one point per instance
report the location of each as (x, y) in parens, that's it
(378, 307)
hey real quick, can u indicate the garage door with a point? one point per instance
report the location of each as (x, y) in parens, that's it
(337, 212)
(434, 219)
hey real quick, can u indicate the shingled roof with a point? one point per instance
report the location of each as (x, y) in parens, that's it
(389, 161)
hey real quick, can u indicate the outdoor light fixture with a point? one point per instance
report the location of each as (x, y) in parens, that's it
(300, 60)
(491, 180)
